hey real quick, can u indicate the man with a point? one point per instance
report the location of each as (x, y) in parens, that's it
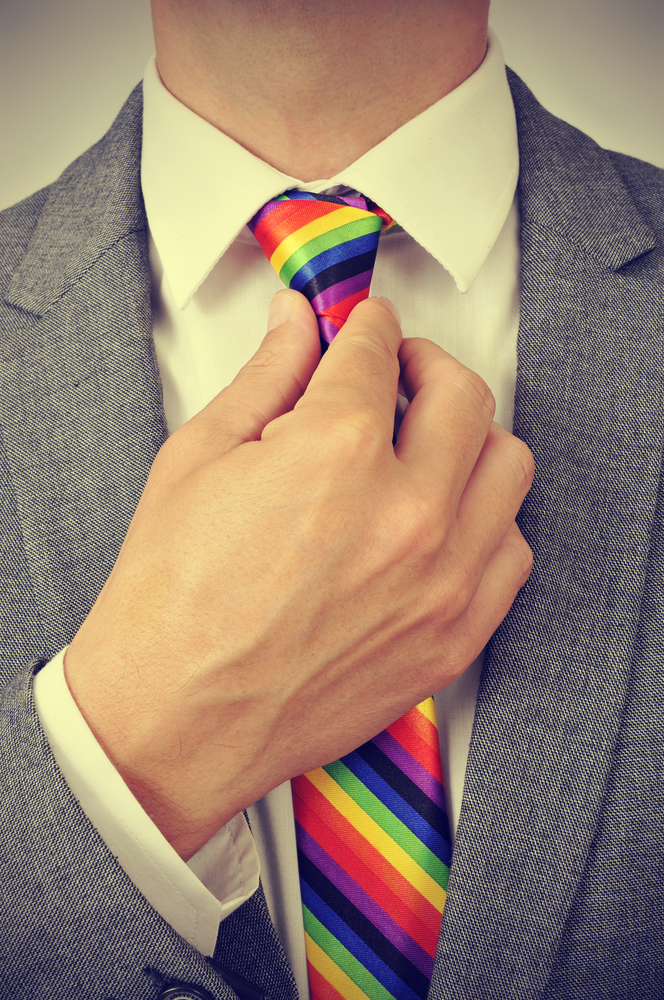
(290, 582)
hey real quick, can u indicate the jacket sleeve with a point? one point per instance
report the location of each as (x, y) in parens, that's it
(72, 923)
(193, 897)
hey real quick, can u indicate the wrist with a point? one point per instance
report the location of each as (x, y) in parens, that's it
(171, 765)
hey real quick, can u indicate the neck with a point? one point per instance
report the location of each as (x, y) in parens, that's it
(311, 85)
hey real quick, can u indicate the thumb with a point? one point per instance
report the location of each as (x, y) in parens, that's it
(269, 384)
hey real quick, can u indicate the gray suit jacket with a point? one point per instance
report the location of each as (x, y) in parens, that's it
(556, 888)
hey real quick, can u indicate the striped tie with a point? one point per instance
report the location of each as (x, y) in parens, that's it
(372, 830)
(374, 855)
(324, 247)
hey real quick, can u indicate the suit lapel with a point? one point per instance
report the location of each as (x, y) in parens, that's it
(588, 402)
(80, 400)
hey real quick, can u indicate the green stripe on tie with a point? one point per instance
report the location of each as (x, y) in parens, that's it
(326, 241)
(343, 958)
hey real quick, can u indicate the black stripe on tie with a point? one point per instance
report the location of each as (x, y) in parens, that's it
(338, 272)
(335, 199)
(407, 789)
(362, 926)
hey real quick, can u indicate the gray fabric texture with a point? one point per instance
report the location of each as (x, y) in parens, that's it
(556, 883)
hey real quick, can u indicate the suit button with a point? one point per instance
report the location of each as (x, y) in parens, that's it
(183, 993)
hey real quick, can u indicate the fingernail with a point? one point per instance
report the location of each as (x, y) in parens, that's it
(281, 307)
(391, 306)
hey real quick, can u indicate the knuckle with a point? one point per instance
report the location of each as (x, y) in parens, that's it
(268, 366)
(460, 592)
(266, 357)
(170, 460)
(275, 427)
(173, 448)
(450, 595)
(528, 560)
(473, 388)
(379, 356)
(355, 432)
(238, 422)
(416, 523)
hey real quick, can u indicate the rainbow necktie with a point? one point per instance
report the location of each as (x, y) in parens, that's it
(372, 830)
(324, 247)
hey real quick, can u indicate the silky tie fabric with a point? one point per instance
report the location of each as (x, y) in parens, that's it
(324, 247)
(372, 829)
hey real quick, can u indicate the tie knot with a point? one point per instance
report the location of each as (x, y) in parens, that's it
(323, 246)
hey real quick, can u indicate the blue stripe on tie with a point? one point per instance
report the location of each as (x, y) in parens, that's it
(355, 945)
(405, 812)
(294, 195)
(343, 252)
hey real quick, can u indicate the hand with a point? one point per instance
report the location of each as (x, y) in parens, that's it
(291, 583)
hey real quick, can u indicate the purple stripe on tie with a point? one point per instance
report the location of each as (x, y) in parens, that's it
(411, 767)
(355, 202)
(327, 329)
(342, 290)
(395, 934)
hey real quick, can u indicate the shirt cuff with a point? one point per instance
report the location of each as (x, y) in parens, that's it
(192, 897)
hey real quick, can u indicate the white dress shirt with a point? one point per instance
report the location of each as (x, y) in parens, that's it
(448, 177)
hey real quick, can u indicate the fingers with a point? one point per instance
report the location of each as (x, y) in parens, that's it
(502, 476)
(493, 495)
(457, 456)
(444, 428)
(495, 558)
(268, 385)
(354, 389)
(274, 379)
(506, 572)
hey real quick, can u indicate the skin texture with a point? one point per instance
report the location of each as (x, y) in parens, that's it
(290, 582)
(311, 86)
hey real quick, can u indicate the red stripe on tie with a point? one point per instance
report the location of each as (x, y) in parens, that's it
(417, 747)
(284, 221)
(340, 311)
(426, 729)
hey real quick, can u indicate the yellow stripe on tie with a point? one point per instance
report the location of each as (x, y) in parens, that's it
(428, 710)
(332, 220)
(378, 838)
(330, 971)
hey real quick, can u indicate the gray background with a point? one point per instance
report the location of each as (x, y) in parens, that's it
(66, 66)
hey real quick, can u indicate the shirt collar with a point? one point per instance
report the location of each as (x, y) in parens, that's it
(448, 178)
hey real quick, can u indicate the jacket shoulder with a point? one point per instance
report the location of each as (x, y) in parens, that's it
(96, 199)
(606, 203)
